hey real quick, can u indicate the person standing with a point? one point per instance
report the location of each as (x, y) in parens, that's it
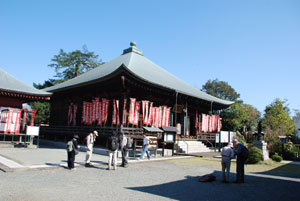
(90, 140)
(145, 148)
(124, 149)
(72, 147)
(240, 161)
(113, 145)
(227, 154)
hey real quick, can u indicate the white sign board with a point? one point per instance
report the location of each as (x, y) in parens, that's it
(232, 134)
(33, 130)
(226, 136)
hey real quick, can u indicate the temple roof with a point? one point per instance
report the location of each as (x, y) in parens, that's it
(11, 86)
(133, 60)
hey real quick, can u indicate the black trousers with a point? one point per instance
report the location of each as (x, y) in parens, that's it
(240, 171)
(124, 154)
(71, 159)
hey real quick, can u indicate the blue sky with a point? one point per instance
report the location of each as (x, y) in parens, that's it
(252, 45)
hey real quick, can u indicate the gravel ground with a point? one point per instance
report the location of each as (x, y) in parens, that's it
(164, 180)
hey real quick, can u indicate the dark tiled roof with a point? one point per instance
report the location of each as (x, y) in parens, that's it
(143, 68)
(10, 84)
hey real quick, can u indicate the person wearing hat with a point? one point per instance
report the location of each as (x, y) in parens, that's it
(90, 140)
(71, 150)
(227, 154)
(240, 161)
(124, 149)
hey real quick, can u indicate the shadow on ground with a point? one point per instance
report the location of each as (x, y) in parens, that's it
(287, 170)
(255, 188)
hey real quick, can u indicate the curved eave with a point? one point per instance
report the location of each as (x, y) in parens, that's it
(27, 96)
(162, 87)
(90, 82)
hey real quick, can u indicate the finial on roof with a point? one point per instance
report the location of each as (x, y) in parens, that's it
(132, 49)
(132, 43)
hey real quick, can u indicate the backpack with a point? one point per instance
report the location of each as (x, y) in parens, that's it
(114, 143)
(129, 142)
(244, 152)
(70, 146)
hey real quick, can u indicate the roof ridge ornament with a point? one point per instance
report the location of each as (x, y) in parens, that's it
(133, 49)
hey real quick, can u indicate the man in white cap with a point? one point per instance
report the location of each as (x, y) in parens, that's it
(227, 154)
(90, 140)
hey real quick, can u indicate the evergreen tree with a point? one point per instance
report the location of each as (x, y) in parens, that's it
(72, 64)
(220, 89)
(277, 121)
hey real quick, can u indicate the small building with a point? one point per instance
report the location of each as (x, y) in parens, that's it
(128, 83)
(13, 93)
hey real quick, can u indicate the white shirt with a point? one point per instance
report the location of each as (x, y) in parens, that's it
(227, 153)
(90, 139)
(124, 141)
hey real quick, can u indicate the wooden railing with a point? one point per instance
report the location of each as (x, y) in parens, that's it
(62, 133)
(208, 138)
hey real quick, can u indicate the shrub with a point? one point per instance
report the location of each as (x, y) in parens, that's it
(276, 158)
(274, 146)
(289, 152)
(255, 155)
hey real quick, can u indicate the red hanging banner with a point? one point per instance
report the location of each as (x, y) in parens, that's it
(9, 120)
(99, 113)
(114, 118)
(205, 123)
(106, 110)
(136, 113)
(91, 113)
(156, 118)
(153, 114)
(159, 116)
(219, 125)
(168, 116)
(145, 111)
(118, 112)
(33, 113)
(196, 120)
(74, 114)
(103, 110)
(210, 125)
(18, 121)
(164, 116)
(94, 111)
(131, 111)
(97, 110)
(24, 119)
(124, 113)
(87, 113)
(149, 121)
(70, 115)
(83, 111)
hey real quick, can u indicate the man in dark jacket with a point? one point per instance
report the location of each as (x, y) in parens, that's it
(124, 149)
(71, 149)
(240, 161)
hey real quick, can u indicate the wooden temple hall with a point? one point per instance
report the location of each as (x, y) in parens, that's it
(129, 93)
